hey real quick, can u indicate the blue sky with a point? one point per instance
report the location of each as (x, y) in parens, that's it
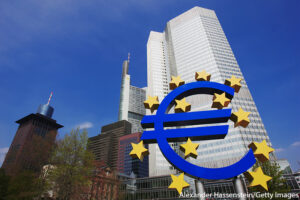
(75, 48)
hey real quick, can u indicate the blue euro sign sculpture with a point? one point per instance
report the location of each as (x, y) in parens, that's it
(161, 136)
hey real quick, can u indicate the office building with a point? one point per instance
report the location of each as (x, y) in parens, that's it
(131, 101)
(284, 166)
(289, 176)
(105, 145)
(104, 183)
(297, 177)
(156, 187)
(291, 182)
(128, 165)
(192, 42)
(30, 149)
(149, 188)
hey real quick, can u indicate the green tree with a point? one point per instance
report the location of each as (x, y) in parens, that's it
(73, 166)
(4, 183)
(277, 183)
(23, 186)
(27, 182)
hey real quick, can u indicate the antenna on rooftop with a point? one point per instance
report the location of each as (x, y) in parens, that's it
(46, 109)
(128, 57)
(50, 98)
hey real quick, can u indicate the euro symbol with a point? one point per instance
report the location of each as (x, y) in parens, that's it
(162, 136)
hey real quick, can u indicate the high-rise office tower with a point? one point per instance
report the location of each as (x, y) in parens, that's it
(32, 142)
(192, 42)
(131, 101)
(105, 145)
(128, 165)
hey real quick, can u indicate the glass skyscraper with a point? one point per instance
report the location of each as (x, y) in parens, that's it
(192, 42)
(131, 101)
(128, 165)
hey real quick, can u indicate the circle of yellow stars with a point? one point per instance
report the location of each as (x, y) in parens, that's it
(178, 183)
(240, 118)
(261, 150)
(138, 151)
(234, 82)
(182, 106)
(190, 148)
(151, 103)
(220, 101)
(257, 177)
(176, 81)
(202, 76)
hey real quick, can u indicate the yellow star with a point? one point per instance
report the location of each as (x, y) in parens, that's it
(202, 76)
(258, 178)
(240, 118)
(261, 150)
(176, 82)
(178, 183)
(151, 103)
(138, 151)
(190, 148)
(182, 106)
(234, 82)
(220, 101)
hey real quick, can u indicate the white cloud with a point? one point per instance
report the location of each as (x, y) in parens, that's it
(295, 144)
(84, 125)
(3, 152)
(279, 150)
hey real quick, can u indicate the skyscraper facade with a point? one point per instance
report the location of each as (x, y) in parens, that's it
(131, 101)
(192, 42)
(105, 145)
(33, 141)
(128, 165)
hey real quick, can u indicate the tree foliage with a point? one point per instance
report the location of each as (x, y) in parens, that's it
(25, 181)
(23, 186)
(73, 166)
(4, 183)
